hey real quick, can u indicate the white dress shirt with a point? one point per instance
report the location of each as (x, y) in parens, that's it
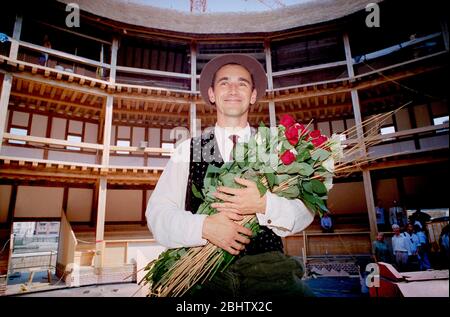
(173, 226)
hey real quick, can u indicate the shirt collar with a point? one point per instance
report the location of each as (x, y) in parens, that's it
(243, 133)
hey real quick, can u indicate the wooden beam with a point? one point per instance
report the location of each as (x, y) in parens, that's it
(348, 56)
(12, 204)
(100, 228)
(4, 101)
(368, 191)
(107, 129)
(51, 141)
(114, 49)
(64, 85)
(14, 49)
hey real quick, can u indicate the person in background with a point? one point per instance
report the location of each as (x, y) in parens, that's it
(444, 245)
(43, 59)
(419, 217)
(326, 223)
(399, 249)
(422, 249)
(382, 251)
(380, 213)
(412, 246)
(397, 215)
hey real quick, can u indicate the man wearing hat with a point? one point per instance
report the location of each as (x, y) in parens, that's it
(230, 83)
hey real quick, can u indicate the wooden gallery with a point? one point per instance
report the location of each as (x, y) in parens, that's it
(91, 110)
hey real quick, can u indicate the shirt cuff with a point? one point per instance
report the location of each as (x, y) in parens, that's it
(275, 216)
(197, 231)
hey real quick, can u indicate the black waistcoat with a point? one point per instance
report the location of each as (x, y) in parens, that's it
(203, 148)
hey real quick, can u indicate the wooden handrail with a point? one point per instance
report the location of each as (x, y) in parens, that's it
(50, 141)
(408, 132)
(64, 55)
(152, 72)
(308, 68)
(139, 150)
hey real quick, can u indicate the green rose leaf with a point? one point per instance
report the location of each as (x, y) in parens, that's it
(196, 192)
(270, 179)
(305, 169)
(279, 178)
(291, 192)
(262, 189)
(308, 187)
(320, 155)
(228, 180)
(318, 187)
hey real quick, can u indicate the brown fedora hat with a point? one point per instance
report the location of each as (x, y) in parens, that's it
(253, 66)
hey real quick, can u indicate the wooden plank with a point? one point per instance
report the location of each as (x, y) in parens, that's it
(113, 70)
(14, 48)
(4, 101)
(30, 87)
(107, 130)
(51, 141)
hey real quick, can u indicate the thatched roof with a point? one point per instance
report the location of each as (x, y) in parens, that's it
(312, 12)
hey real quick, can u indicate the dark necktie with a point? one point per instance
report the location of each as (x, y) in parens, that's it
(234, 138)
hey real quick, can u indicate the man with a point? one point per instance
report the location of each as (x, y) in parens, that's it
(400, 247)
(397, 215)
(230, 83)
(412, 245)
(420, 218)
(379, 210)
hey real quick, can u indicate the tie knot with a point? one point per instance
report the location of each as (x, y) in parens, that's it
(234, 138)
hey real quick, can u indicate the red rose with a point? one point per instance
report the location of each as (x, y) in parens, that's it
(292, 134)
(287, 157)
(300, 127)
(319, 141)
(314, 134)
(287, 120)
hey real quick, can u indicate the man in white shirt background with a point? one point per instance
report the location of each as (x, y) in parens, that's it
(231, 83)
(400, 248)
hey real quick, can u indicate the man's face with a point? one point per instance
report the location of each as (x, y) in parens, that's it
(232, 92)
(410, 228)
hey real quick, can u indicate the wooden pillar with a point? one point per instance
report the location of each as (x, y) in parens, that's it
(107, 130)
(348, 56)
(272, 113)
(193, 119)
(100, 228)
(144, 207)
(65, 199)
(444, 27)
(193, 107)
(14, 51)
(12, 204)
(367, 180)
(94, 204)
(4, 100)
(114, 49)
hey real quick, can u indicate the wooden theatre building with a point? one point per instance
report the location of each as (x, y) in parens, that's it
(91, 106)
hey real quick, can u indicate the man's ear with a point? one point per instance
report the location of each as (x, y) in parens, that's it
(253, 97)
(212, 97)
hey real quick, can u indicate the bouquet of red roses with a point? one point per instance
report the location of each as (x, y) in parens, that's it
(289, 160)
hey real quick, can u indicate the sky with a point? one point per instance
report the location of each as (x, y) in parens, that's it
(222, 5)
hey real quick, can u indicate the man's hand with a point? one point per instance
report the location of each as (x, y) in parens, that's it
(221, 230)
(243, 201)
